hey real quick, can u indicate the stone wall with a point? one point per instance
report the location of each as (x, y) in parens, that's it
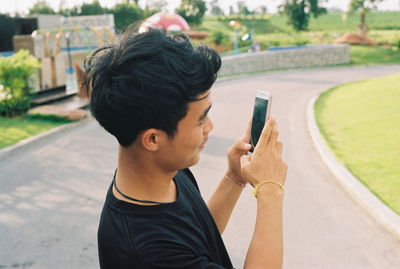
(285, 58)
(83, 37)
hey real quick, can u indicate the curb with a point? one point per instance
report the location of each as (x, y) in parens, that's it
(361, 194)
(30, 141)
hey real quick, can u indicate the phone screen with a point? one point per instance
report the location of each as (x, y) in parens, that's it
(259, 116)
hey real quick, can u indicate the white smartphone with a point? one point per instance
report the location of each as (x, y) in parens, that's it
(261, 113)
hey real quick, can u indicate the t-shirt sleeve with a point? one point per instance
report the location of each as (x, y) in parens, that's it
(166, 255)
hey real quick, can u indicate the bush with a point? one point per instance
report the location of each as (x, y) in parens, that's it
(299, 41)
(276, 40)
(192, 11)
(218, 37)
(125, 14)
(15, 93)
(398, 43)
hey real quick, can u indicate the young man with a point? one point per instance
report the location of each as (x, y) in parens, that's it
(152, 92)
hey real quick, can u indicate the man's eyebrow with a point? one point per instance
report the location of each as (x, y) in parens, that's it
(204, 115)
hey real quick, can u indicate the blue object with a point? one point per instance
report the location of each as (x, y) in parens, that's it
(296, 47)
(79, 48)
(6, 53)
(235, 42)
(72, 84)
(246, 37)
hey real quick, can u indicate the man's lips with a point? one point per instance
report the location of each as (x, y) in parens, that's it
(204, 143)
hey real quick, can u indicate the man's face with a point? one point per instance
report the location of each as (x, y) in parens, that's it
(192, 134)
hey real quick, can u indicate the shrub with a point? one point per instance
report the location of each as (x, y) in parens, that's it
(125, 14)
(192, 11)
(299, 41)
(275, 40)
(218, 37)
(15, 93)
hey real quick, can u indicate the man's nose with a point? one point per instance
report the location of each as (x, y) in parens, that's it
(208, 126)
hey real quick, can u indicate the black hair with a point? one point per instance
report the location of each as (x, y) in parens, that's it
(146, 80)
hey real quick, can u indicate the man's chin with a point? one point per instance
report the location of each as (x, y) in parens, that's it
(195, 160)
(192, 162)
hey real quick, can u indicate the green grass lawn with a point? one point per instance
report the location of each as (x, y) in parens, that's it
(359, 55)
(376, 20)
(273, 30)
(361, 124)
(366, 55)
(15, 129)
(332, 21)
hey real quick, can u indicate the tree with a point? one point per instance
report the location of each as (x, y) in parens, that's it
(86, 9)
(263, 9)
(244, 11)
(125, 14)
(192, 11)
(73, 11)
(41, 7)
(298, 12)
(131, 2)
(242, 8)
(260, 10)
(215, 9)
(363, 6)
(93, 8)
(231, 11)
(156, 5)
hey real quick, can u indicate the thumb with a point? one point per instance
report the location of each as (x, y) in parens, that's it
(242, 146)
(245, 146)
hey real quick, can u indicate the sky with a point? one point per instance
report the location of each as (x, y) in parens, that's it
(22, 6)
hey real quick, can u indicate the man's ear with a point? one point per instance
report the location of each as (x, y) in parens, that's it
(151, 139)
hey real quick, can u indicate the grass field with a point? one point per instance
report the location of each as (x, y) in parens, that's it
(363, 55)
(361, 124)
(273, 30)
(376, 20)
(333, 21)
(14, 130)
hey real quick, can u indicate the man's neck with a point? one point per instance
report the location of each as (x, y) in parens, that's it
(141, 179)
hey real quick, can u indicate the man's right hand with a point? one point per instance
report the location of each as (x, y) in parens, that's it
(266, 246)
(266, 162)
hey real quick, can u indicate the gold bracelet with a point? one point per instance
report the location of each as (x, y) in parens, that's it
(257, 187)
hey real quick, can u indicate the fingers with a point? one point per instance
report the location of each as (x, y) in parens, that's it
(284, 172)
(265, 135)
(245, 146)
(279, 147)
(241, 146)
(274, 136)
(247, 133)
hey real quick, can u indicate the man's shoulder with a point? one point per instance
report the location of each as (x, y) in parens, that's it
(187, 174)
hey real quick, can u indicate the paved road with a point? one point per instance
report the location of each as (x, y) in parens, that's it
(51, 194)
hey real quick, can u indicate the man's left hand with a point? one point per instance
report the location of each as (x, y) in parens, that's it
(237, 150)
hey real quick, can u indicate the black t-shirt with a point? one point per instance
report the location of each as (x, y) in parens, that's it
(181, 234)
